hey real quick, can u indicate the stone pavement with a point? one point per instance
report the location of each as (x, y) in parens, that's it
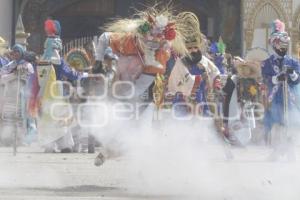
(34, 175)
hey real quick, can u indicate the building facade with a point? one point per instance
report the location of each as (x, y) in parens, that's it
(81, 18)
(257, 15)
(243, 24)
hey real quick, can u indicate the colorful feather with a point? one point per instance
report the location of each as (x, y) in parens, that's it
(221, 46)
(277, 26)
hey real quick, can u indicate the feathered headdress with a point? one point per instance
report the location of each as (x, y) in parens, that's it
(50, 27)
(277, 26)
(221, 46)
(279, 37)
(191, 29)
(154, 24)
(247, 69)
(218, 47)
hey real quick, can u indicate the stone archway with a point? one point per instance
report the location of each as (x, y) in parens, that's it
(253, 13)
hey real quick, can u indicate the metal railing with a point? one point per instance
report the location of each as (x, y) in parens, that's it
(77, 43)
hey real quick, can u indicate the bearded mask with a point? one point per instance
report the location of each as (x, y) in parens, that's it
(194, 58)
(281, 52)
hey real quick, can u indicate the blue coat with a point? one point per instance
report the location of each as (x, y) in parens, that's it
(65, 71)
(272, 67)
(201, 92)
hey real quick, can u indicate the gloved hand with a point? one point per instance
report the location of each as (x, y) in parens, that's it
(281, 77)
(292, 74)
(85, 75)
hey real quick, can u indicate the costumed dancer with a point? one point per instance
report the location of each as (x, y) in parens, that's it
(55, 134)
(281, 76)
(143, 45)
(195, 79)
(16, 61)
(241, 93)
(193, 76)
(148, 38)
(15, 75)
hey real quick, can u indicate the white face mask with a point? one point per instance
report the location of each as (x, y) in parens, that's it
(280, 41)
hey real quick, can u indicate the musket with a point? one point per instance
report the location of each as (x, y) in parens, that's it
(16, 113)
(285, 101)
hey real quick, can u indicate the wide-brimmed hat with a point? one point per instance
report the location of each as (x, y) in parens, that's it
(247, 69)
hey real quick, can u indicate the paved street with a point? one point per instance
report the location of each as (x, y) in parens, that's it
(33, 175)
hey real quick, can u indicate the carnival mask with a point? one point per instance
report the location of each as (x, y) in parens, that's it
(280, 43)
(281, 52)
(194, 58)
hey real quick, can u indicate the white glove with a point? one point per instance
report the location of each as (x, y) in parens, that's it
(275, 80)
(85, 75)
(294, 76)
(55, 59)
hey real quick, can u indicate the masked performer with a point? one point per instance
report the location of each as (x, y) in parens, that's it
(241, 94)
(55, 134)
(143, 45)
(193, 75)
(15, 75)
(281, 76)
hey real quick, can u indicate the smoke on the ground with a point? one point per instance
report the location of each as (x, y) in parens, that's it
(167, 156)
